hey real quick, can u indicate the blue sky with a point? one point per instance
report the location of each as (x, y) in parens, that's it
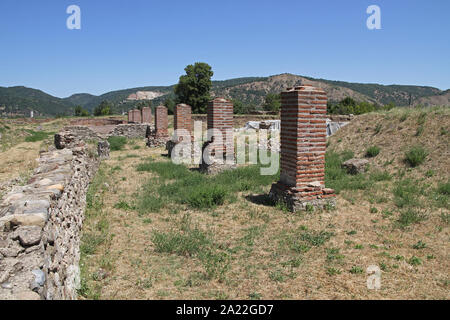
(124, 44)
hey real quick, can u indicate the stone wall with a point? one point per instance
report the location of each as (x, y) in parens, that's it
(96, 122)
(132, 130)
(73, 134)
(40, 226)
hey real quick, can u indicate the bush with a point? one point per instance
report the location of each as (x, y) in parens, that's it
(372, 151)
(117, 143)
(416, 156)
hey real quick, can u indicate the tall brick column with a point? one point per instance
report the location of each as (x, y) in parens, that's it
(137, 117)
(130, 116)
(146, 115)
(303, 147)
(160, 135)
(220, 119)
(182, 119)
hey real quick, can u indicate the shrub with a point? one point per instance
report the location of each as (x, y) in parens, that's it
(378, 128)
(372, 151)
(416, 156)
(356, 270)
(419, 245)
(117, 143)
(415, 261)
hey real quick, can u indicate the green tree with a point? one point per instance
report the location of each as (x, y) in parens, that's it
(80, 112)
(238, 107)
(169, 103)
(193, 87)
(272, 102)
(143, 104)
(103, 109)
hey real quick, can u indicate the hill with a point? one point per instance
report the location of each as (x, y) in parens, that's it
(249, 90)
(21, 100)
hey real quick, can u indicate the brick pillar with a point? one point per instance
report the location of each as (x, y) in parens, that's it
(303, 147)
(182, 117)
(220, 118)
(137, 118)
(146, 115)
(161, 122)
(160, 135)
(130, 116)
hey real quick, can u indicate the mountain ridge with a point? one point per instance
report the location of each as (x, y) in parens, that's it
(249, 90)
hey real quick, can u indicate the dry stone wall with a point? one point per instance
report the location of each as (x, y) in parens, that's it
(40, 225)
(132, 130)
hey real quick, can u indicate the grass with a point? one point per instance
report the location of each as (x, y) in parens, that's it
(249, 248)
(96, 232)
(178, 184)
(407, 193)
(338, 179)
(193, 242)
(372, 151)
(410, 216)
(35, 136)
(416, 156)
(117, 143)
